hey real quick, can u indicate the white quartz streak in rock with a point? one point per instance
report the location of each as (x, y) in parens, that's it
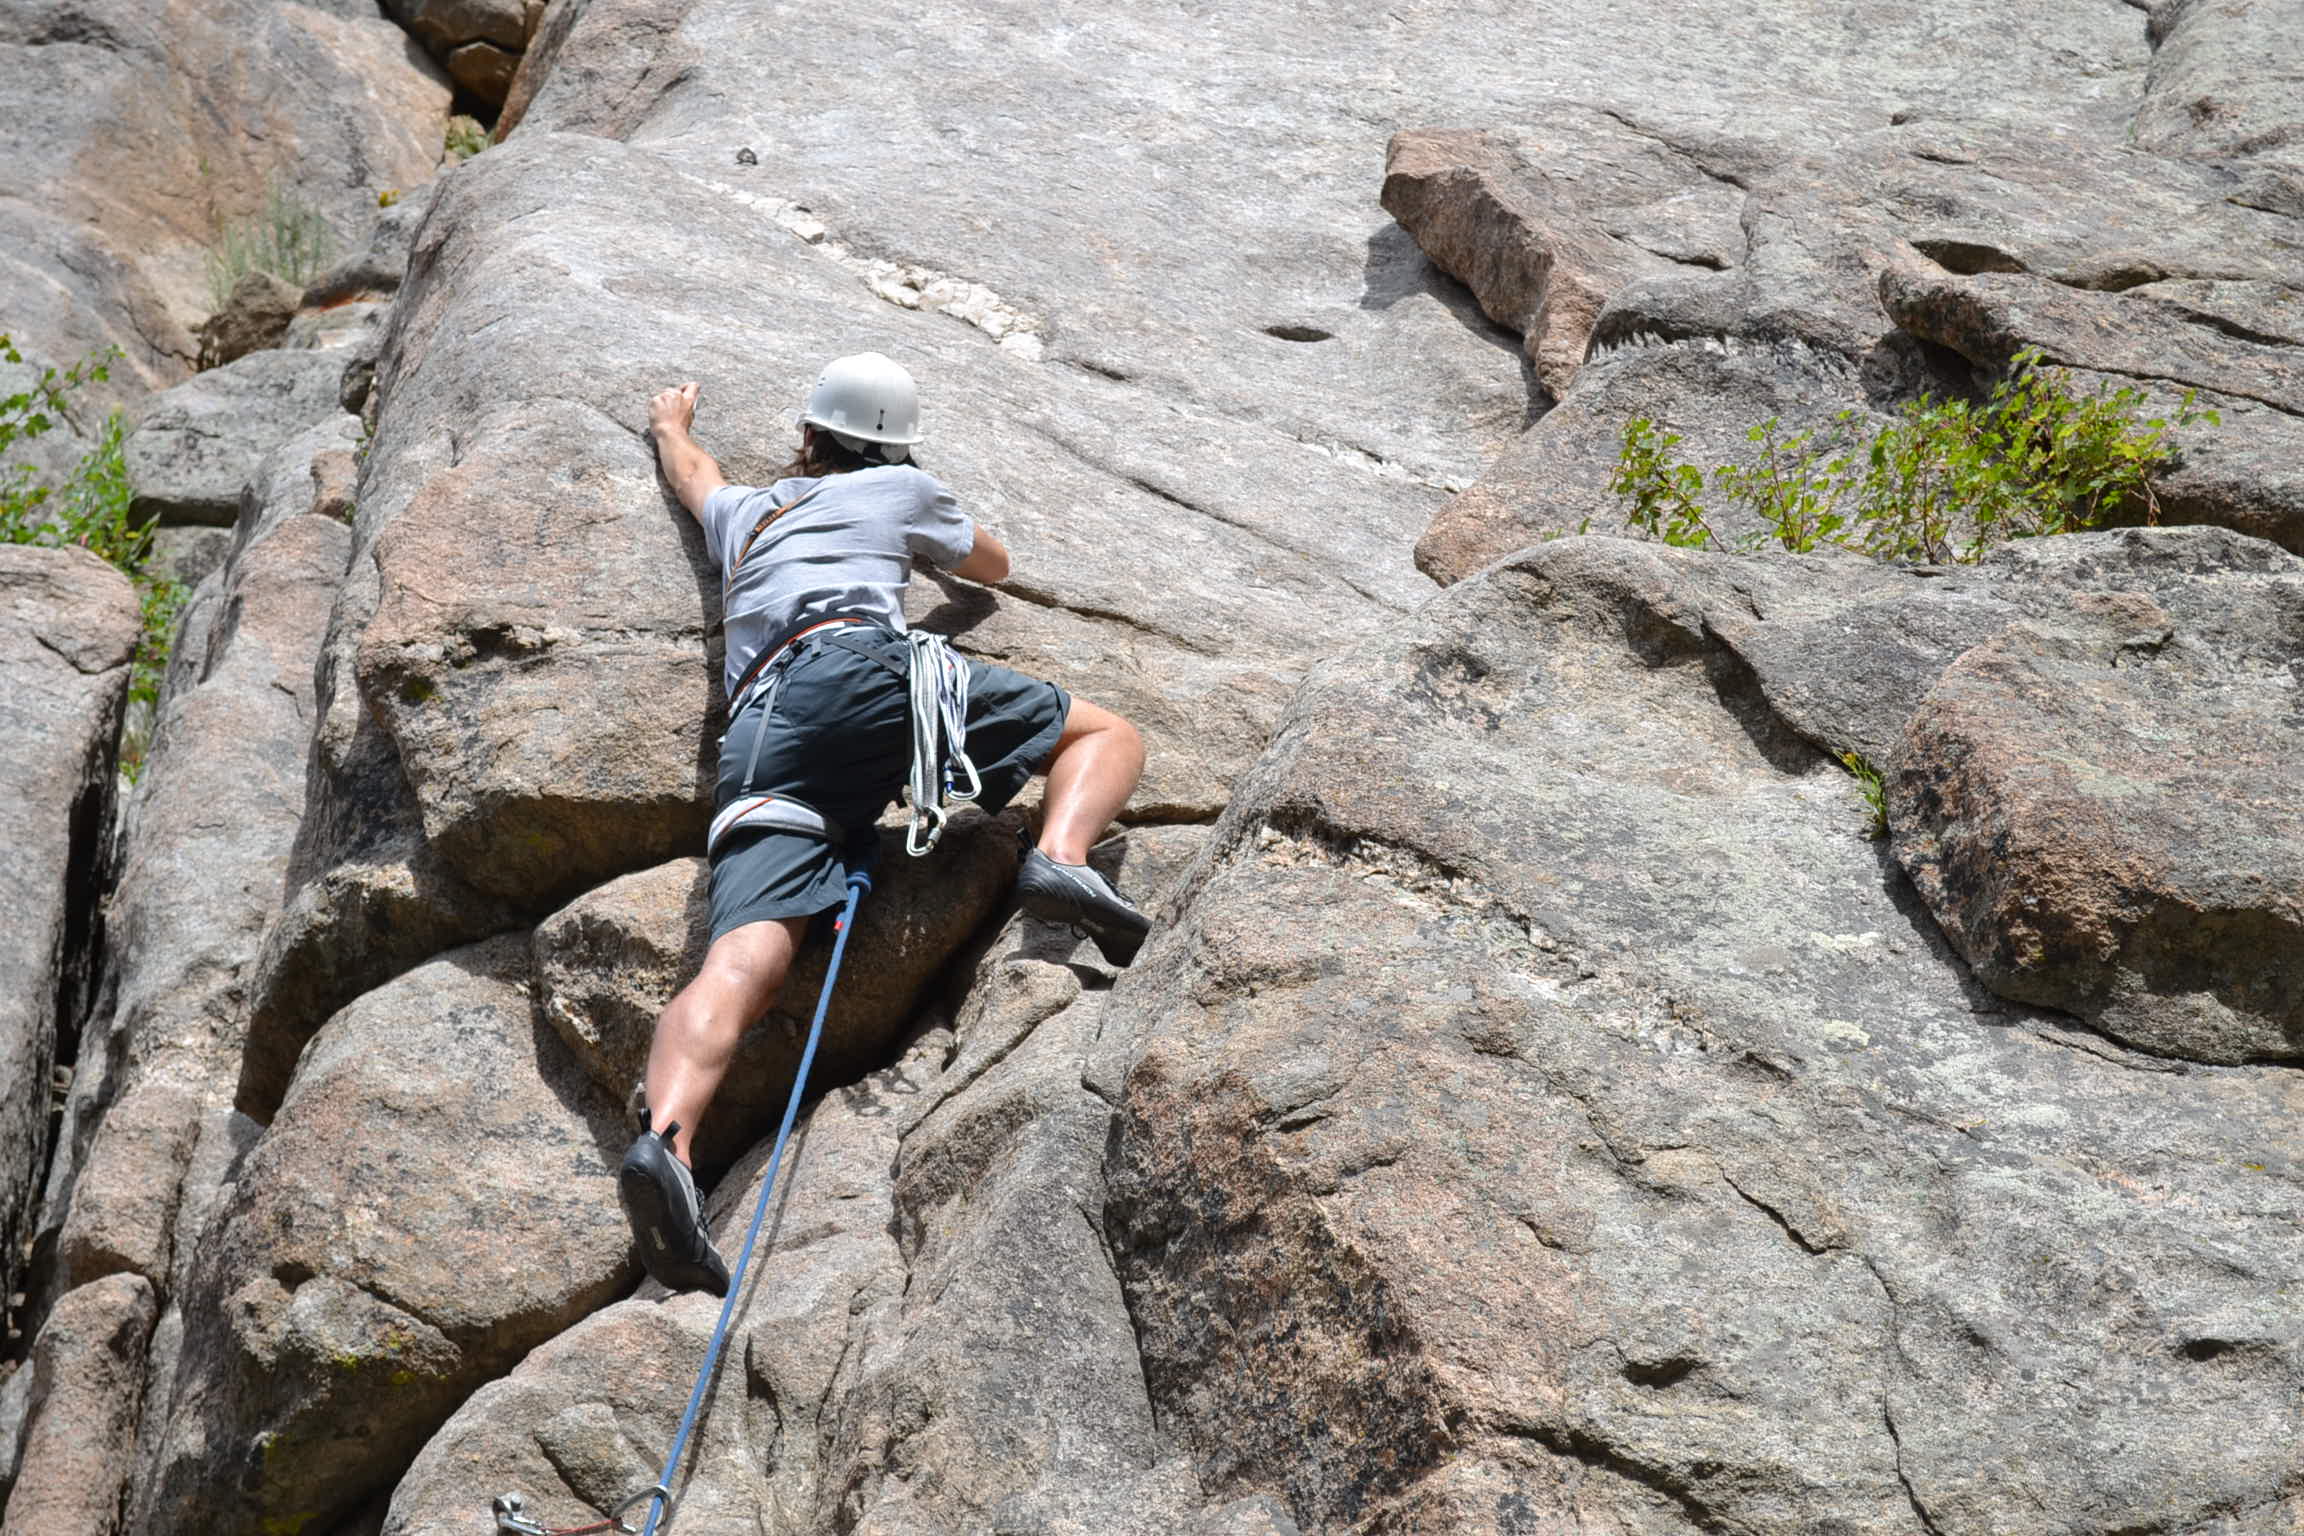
(914, 287)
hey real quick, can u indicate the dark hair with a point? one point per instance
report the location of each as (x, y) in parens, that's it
(823, 454)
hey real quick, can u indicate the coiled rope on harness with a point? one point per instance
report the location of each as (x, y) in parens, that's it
(938, 681)
(511, 1514)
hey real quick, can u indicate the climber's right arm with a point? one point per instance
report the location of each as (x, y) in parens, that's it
(987, 561)
(692, 473)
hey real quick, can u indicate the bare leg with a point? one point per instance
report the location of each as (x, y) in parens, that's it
(1090, 776)
(696, 1034)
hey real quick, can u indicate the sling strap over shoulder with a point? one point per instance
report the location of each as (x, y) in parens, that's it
(745, 550)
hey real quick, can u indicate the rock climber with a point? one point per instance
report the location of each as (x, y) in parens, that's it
(819, 674)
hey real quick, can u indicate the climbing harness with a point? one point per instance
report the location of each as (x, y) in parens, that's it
(939, 683)
(510, 1508)
(936, 682)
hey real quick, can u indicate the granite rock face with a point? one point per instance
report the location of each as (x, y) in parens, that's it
(2100, 807)
(1542, 1105)
(1624, 1149)
(80, 1441)
(1718, 277)
(433, 1199)
(132, 135)
(68, 628)
(198, 445)
(206, 837)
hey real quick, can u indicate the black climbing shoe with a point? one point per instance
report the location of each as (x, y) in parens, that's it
(667, 1219)
(1076, 895)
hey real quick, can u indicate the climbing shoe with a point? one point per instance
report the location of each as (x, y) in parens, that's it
(1077, 896)
(667, 1219)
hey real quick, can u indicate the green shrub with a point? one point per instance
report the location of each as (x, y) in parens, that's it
(1946, 481)
(464, 138)
(88, 506)
(285, 237)
(1874, 792)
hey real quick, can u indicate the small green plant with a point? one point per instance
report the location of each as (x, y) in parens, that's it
(1946, 481)
(88, 506)
(286, 237)
(465, 137)
(1868, 784)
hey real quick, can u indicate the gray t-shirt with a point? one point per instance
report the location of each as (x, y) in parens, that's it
(849, 549)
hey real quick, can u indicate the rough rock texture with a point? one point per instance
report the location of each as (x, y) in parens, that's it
(2101, 807)
(130, 135)
(607, 963)
(1544, 254)
(932, 1341)
(434, 1199)
(255, 316)
(480, 41)
(208, 833)
(68, 626)
(1710, 277)
(499, 735)
(1543, 1107)
(196, 446)
(1624, 1149)
(80, 1441)
(2227, 81)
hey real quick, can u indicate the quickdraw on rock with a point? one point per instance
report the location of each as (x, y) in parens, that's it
(510, 1508)
(512, 1517)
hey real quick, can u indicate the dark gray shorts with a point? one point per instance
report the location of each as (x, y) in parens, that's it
(838, 737)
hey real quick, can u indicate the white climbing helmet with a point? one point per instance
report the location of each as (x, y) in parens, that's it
(866, 398)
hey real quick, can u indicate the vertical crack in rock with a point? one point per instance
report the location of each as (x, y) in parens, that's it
(1888, 1417)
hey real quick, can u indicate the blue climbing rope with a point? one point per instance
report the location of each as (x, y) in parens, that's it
(859, 882)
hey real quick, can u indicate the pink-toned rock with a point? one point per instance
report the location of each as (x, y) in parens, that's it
(607, 963)
(255, 316)
(2104, 813)
(434, 1199)
(80, 1438)
(1530, 246)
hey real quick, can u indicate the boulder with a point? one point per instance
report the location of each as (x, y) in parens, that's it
(480, 41)
(255, 316)
(2100, 806)
(80, 1438)
(434, 1199)
(69, 625)
(607, 963)
(1617, 1072)
(196, 446)
(445, 23)
(484, 69)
